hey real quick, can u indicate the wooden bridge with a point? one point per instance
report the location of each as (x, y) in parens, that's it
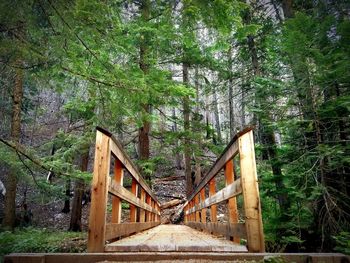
(145, 209)
(201, 239)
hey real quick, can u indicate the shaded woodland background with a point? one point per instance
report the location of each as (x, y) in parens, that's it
(174, 81)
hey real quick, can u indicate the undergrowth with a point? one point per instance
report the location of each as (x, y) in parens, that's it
(33, 240)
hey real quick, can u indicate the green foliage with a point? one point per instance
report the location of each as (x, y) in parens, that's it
(32, 240)
(343, 242)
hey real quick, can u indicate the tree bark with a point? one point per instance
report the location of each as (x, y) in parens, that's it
(178, 158)
(230, 98)
(217, 117)
(79, 188)
(268, 137)
(287, 6)
(144, 141)
(66, 206)
(187, 140)
(12, 180)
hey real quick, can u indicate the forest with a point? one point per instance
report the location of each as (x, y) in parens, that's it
(174, 81)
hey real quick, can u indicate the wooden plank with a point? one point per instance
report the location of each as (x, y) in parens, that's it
(117, 150)
(128, 164)
(125, 229)
(97, 218)
(148, 214)
(230, 151)
(237, 230)
(174, 257)
(116, 202)
(204, 210)
(142, 211)
(250, 189)
(229, 191)
(177, 238)
(153, 215)
(231, 203)
(133, 199)
(129, 197)
(213, 209)
(196, 201)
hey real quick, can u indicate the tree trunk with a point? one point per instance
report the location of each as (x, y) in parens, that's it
(217, 117)
(178, 158)
(230, 98)
(268, 137)
(144, 142)
(287, 6)
(66, 206)
(79, 188)
(11, 182)
(187, 140)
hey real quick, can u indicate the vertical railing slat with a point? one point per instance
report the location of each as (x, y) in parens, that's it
(132, 207)
(231, 203)
(116, 202)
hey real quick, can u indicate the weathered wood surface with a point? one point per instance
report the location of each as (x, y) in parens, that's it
(250, 189)
(232, 203)
(116, 202)
(97, 219)
(130, 197)
(126, 229)
(169, 257)
(230, 151)
(174, 238)
(117, 150)
(229, 191)
(172, 203)
(225, 229)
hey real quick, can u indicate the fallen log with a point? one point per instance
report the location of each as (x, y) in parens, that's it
(178, 215)
(172, 203)
(170, 178)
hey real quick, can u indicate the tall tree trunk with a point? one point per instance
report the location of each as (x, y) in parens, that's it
(144, 141)
(268, 137)
(217, 117)
(11, 182)
(187, 140)
(197, 132)
(230, 98)
(178, 158)
(287, 6)
(66, 206)
(79, 188)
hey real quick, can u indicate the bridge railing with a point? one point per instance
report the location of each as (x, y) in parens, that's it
(247, 185)
(143, 200)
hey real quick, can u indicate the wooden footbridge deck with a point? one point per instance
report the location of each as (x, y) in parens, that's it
(201, 239)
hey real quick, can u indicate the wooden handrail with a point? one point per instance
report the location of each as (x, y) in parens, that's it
(230, 151)
(247, 185)
(108, 147)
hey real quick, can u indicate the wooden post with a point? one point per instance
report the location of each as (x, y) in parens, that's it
(213, 210)
(132, 207)
(250, 190)
(152, 214)
(148, 214)
(196, 202)
(232, 203)
(143, 199)
(204, 210)
(185, 211)
(116, 202)
(99, 192)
